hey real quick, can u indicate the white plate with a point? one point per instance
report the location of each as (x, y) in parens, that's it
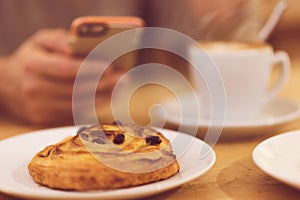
(279, 156)
(277, 113)
(16, 153)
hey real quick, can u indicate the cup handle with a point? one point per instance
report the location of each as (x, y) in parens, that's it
(282, 59)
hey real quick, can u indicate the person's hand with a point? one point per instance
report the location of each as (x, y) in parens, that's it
(36, 81)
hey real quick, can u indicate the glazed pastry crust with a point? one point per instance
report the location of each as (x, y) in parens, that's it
(70, 165)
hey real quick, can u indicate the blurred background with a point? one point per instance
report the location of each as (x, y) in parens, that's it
(287, 34)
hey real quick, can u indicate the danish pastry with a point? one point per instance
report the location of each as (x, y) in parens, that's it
(103, 157)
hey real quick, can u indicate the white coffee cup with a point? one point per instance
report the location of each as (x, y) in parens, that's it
(245, 69)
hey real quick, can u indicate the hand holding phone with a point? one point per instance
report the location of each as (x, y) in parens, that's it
(88, 31)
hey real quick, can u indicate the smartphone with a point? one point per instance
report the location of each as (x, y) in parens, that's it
(88, 31)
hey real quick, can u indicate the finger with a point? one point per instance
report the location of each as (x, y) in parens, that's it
(89, 86)
(42, 88)
(108, 82)
(105, 80)
(62, 66)
(53, 65)
(45, 89)
(37, 87)
(94, 68)
(52, 39)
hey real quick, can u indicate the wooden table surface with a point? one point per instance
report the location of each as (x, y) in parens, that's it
(234, 175)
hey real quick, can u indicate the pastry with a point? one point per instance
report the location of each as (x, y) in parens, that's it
(104, 157)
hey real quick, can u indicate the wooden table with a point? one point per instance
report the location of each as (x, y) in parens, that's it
(234, 175)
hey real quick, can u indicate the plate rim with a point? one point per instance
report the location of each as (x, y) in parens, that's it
(270, 121)
(99, 194)
(257, 122)
(279, 177)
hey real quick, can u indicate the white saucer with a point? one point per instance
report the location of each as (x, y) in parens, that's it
(278, 112)
(279, 157)
(16, 153)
